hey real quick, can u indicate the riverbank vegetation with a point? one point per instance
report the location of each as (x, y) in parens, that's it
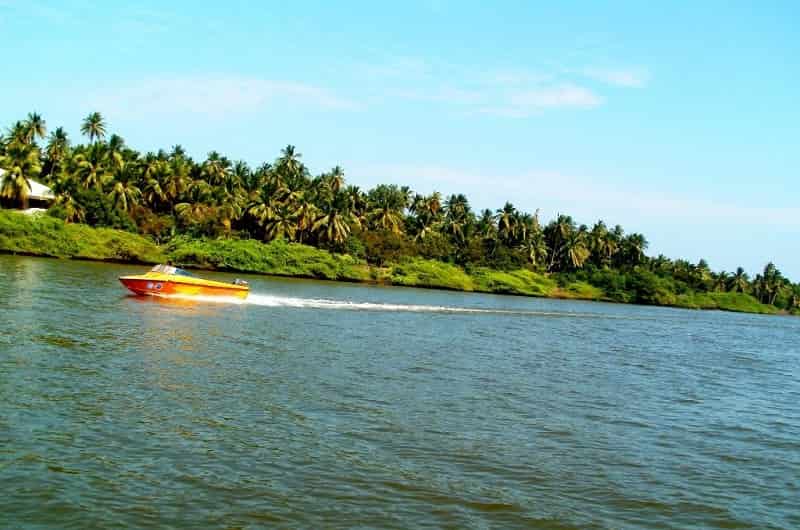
(43, 235)
(278, 218)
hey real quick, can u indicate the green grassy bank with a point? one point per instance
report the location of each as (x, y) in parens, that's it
(41, 235)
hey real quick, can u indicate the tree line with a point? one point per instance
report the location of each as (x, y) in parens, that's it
(163, 194)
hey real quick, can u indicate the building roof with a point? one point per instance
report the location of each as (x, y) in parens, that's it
(38, 191)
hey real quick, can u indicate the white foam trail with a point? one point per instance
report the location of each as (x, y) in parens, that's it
(323, 303)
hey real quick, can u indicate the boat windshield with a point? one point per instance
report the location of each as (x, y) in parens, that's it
(169, 269)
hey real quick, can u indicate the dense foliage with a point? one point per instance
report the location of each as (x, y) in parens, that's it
(168, 195)
(42, 235)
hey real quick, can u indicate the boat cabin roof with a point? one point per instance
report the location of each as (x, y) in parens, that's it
(169, 269)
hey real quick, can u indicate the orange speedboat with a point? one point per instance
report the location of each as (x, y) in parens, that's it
(166, 280)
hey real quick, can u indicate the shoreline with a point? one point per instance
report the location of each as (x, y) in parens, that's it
(378, 283)
(44, 236)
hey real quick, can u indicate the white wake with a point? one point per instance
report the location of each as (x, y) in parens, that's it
(266, 300)
(322, 303)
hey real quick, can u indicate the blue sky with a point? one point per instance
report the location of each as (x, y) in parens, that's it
(678, 120)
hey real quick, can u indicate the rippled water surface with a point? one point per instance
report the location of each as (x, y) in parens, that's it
(329, 405)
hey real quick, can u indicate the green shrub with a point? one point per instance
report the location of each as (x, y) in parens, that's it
(277, 257)
(418, 272)
(520, 281)
(100, 211)
(385, 247)
(435, 246)
(739, 302)
(582, 290)
(43, 235)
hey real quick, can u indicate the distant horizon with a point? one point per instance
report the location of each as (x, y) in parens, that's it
(654, 120)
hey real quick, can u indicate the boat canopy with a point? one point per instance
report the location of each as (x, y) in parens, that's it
(169, 269)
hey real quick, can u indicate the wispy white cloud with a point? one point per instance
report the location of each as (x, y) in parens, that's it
(532, 101)
(504, 92)
(214, 96)
(518, 77)
(397, 68)
(445, 94)
(504, 102)
(628, 78)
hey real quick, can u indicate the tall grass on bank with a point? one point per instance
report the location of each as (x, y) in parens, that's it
(277, 257)
(42, 235)
(738, 302)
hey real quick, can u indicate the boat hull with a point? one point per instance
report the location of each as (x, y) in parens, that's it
(163, 287)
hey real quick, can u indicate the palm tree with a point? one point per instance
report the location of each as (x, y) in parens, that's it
(456, 228)
(94, 127)
(124, 193)
(768, 283)
(259, 178)
(306, 215)
(423, 226)
(280, 224)
(557, 234)
(535, 249)
(291, 171)
(230, 210)
(720, 281)
(20, 163)
(408, 195)
(175, 178)
(73, 210)
(458, 206)
(195, 209)
(56, 152)
(417, 204)
(333, 226)
(426, 214)
(602, 244)
(241, 176)
(57, 145)
(19, 132)
(576, 249)
(634, 246)
(336, 179)
(192, 213)
(177, 152)
(794, 300)
(661, 264)
(486, 227)
(34, 127)
(216, 168)
(387, 204)
(154, 194)
(458, 218)
(739, 282)
(506, 222)
(114, 152)
(356, 204)
(91, 173)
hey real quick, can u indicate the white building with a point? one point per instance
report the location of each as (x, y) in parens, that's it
(40, 197)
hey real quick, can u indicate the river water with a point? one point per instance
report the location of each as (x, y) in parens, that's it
(319, 404)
